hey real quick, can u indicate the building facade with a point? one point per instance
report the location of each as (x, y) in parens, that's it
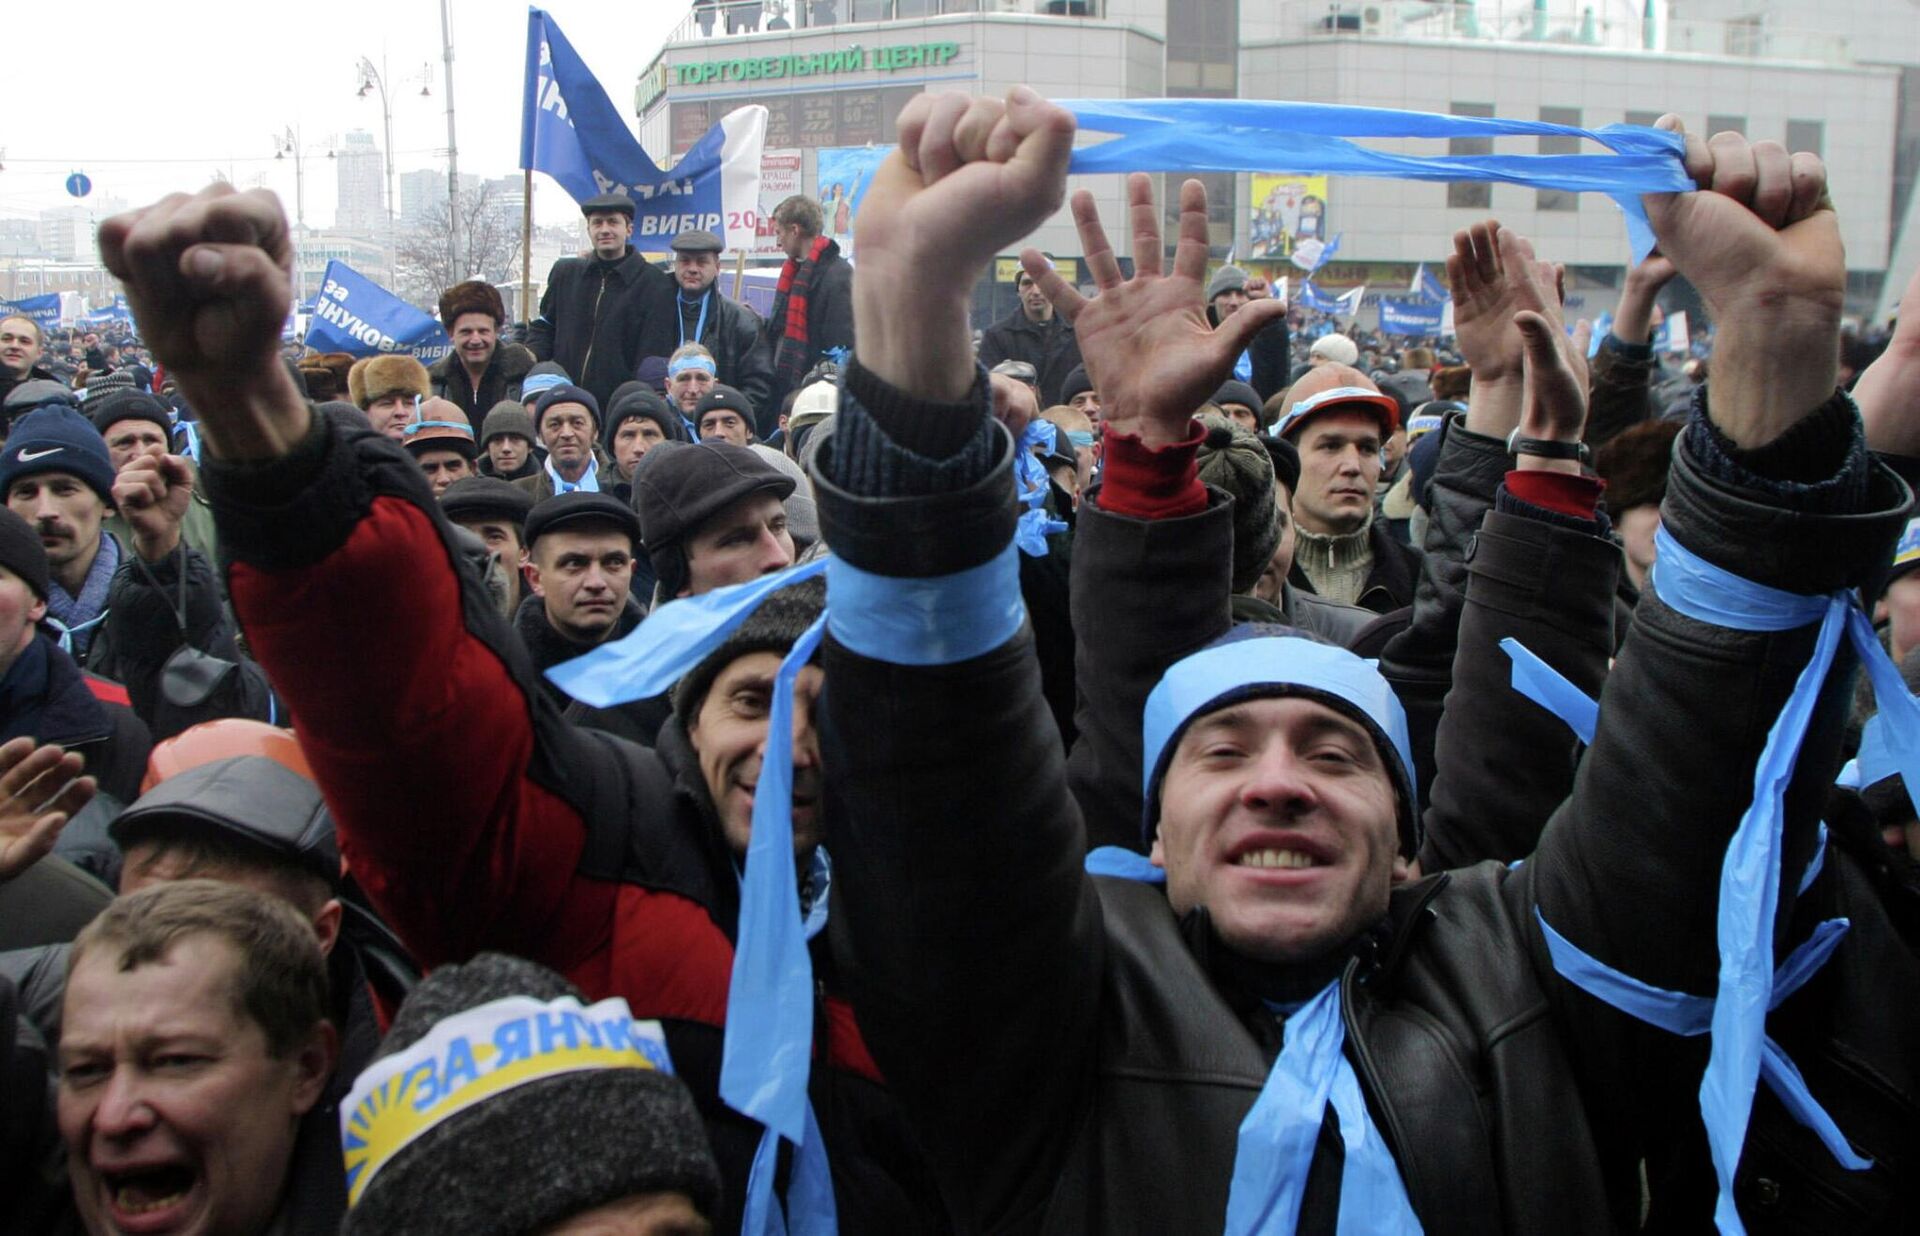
(362, 202)
(834, 74)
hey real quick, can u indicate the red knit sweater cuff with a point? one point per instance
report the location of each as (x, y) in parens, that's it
(1142, 482)
(1564, 493)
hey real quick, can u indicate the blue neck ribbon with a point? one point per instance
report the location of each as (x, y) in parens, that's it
(767, 1055)
(589, 480)
(1749, 984)
(1253, 135)
(1278, 1136)
(699, 327)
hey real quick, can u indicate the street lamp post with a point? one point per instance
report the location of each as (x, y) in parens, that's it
(453, 147)
(287, 142)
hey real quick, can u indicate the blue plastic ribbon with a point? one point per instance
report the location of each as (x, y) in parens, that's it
(1124, 864)
(938, 620)
(767, 1054)
(676, 637)
(1274, 1153)
(1549, 688)
(1682, 1014)
(1278, 1137)
(1750, 875)
(1254, 135)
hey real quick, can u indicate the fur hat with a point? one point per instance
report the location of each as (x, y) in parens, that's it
(325, 374)
(1634, 465)
(376, 377)
(522, 1158)
(1232, 459)
(473, 296)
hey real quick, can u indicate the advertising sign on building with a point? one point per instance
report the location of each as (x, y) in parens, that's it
(1287, 210)
(779, 180)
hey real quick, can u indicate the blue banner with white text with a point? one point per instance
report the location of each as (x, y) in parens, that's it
(355, 315)
(1409, 317)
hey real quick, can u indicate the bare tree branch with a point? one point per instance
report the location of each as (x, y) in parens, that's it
(489, 248)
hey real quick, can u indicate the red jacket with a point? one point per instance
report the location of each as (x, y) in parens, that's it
(580, 851)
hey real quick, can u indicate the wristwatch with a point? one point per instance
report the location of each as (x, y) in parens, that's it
(1547, 448)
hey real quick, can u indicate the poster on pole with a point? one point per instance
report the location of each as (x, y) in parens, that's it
(779, 180)
(1287, 210)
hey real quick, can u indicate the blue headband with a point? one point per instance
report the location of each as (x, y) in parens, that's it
(1275, 665)
(703, 363)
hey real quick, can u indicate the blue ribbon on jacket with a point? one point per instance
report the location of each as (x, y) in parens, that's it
(1253, 135)
(1749, 986)
(1274, 1153)
(766, 1057)
(1030, 485)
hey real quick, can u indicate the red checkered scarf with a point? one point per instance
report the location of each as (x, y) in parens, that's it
(790, 309)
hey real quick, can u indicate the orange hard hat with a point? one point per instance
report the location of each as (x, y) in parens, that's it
(220, 740)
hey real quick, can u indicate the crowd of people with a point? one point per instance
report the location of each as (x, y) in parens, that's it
(1163, 762)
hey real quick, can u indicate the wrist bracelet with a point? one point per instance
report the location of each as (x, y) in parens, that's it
(1547, 448)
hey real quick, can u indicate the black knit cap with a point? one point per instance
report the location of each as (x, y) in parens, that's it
(128, 405)
(724, 396)
(487, 497)
(533, 1155)
(566, 393)
(581, 507)
(22, 553)
(1077, 383)
(637, 399)
(781, 619)
(1286, 460)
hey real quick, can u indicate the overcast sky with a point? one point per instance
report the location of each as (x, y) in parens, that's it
(147, 98)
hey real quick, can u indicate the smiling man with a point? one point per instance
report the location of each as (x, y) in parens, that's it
(481, 370)
(20, 347)
(194, 1039)
(1339, 420)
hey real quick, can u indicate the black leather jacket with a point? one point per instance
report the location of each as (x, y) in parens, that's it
(1072, 1061)
(732, 332)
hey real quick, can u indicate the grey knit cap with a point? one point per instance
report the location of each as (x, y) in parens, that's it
(1232, 459)
(781, 619)
(1227, 279)
(541, 1152)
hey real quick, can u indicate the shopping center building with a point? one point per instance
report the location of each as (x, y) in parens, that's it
(835, 73)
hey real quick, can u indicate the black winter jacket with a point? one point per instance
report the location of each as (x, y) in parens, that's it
(733, 333)
(829, 318)
(594, 322)
(47, 696)
(1052, 1034)
(1052, 349)
(638, 721)
(155, 610)
(1390, 581)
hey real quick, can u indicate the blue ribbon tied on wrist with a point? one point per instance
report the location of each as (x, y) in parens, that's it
(1749, 984)
(1256, 135)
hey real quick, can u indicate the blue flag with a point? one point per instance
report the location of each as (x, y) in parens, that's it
(1409, 317)
(355, 315)
(570, 130)
(1428, 286)
(1316, 300)
(44, 310)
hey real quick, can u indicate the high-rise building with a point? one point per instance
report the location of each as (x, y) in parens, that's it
(362, 178)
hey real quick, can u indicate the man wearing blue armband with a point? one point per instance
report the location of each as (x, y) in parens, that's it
(1270, 1022)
